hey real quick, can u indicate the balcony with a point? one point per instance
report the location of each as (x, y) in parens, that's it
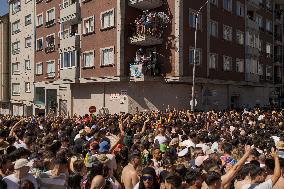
(50, 23)
(50, 49)
(145, 4)
(251, 24)
(69, 12)
(145, 40)
(250, 77)
(253, 5)
(70, 42)
(252, 51)
(69, 74)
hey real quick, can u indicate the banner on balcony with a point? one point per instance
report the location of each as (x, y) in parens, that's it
(136, 70)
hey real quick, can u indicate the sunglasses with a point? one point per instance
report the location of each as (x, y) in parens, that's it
(150, 178)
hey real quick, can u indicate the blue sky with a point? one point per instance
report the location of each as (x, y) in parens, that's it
(3, 7)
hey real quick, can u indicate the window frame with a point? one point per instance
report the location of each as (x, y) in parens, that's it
(15, 72)
(193, 13)
(231, 5)
(52, 74)
(29, 37)
(46, 15)
(199, 50)
(101, 56)
(41, 38)
(243, 37)
(83, 57)
(84, 29)
(18, 27)
(238, 60)
(36, 70)
(231, 63)
(112, 25)
(240, 6)
(29, 88)
(216, 61)
(30, 22)
(16, 51)
(62, 59)
(37, 21)
(210, 28)
(16, 93)
(231, 36)
(27, 68)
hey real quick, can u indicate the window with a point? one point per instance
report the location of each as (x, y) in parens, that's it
(213, 28)
(268, 48)
(89, 25)
(39, 44)
(198, 56)
(50, 40)
(39, 68)
(227, 5)
(107, 19)
(239, 65)
(28, 42)
(16, 6)
(240, 37)
(15, 89)
(39, 21)
(268, 72)
(260, 69)
(268, 25)
(253, 39)
(50, 15)
(107, 56)
(50, 69)
(27, 87)
(227, 63)
(27, 64)
(16, 27)
(16, 47)
(28, 19)
(227, 33)
(15, 68)
(240, 9)
(192, 16)
(88, 59)
(259, 21)
(68, 59)
(268, 4)
(251, 66)
(214, 2)
(213, 61)
(260, 47)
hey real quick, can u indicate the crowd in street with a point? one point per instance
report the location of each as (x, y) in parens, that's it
(169, 149)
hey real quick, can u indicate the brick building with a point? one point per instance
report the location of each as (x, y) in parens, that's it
(124, 54)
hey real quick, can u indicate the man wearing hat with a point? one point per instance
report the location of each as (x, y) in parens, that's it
(22, 167)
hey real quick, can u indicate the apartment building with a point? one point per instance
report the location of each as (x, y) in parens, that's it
(22, 34)
(4, 65)
(123, 55)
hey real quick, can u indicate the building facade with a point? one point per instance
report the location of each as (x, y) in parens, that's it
(122, 55)
(4, 65)
(22, 33)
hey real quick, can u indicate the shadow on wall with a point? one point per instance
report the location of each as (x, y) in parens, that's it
(158, 96)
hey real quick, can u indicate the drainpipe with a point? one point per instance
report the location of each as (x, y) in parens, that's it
(104, 100)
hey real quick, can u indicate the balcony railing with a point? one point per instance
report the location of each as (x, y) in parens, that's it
(69, 12)
(50, 75)
(71, 41)
(250, 77)
(50, 49)
(50, 23)
(253, 4)
(252, 24)
(145, 4)
(149, 29)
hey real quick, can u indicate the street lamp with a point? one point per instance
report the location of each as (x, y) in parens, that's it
(194, 57)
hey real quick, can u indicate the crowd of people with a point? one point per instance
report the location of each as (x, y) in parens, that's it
(169, 149)
(151, 23)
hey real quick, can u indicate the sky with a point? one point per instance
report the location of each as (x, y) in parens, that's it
(3, 7)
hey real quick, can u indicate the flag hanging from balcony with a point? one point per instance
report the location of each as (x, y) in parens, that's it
(136, 70)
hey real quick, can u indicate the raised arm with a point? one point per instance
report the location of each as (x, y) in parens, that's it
(277, 170)
(229, 176)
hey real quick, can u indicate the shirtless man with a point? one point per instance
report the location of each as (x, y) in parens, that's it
(129, 177)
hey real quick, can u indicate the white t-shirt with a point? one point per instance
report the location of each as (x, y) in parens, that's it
(265, 185)
(161, 139)
(13, 182)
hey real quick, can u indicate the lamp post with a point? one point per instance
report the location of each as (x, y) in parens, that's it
(194, 57)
